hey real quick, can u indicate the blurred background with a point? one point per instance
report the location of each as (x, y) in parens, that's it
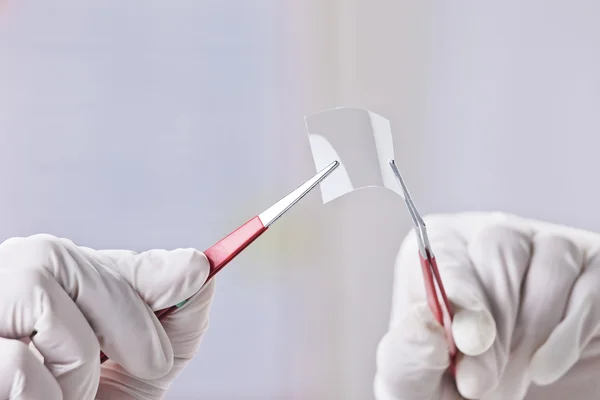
(148, 124)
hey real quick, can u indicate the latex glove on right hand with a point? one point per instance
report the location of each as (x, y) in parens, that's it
(71, 302)
(527, 306)
(164, 278)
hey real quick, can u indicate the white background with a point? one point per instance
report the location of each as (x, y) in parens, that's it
(166, 124)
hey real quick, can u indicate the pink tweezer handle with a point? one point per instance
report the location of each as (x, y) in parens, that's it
(441, 311)
(220, 254)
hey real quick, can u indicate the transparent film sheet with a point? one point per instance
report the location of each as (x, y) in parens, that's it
(361, 141)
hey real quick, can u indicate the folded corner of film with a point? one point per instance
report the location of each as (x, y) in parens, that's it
(361, 141)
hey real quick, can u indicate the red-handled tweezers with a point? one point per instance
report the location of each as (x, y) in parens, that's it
(226, 249)
(434, 289)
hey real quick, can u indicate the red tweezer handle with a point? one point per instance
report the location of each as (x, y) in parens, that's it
(221, 254)
(441, 311)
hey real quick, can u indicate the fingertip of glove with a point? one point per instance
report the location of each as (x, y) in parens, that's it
(546, 367)
(472, 385)
(155, 371)
(196, 265)
(180, 274)
(157, 360)
(163, 363)
(474, 331)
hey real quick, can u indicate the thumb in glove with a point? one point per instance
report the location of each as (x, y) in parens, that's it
(163, 279)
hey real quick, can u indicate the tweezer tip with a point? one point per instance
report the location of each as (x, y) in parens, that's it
(328, 169)
(273, 213)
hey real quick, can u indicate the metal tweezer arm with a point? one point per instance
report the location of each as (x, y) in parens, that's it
(233, 244)
(442, 310)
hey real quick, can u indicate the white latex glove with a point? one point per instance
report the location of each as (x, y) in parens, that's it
(527, 303)
(79, 301)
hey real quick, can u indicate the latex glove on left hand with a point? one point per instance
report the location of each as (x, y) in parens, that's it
(526, 300)
(73, 301)
(412, 358)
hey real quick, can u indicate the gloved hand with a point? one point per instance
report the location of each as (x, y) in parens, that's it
(74, 301)
(527, 303)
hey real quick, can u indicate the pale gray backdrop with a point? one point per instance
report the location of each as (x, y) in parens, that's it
(166, 124)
